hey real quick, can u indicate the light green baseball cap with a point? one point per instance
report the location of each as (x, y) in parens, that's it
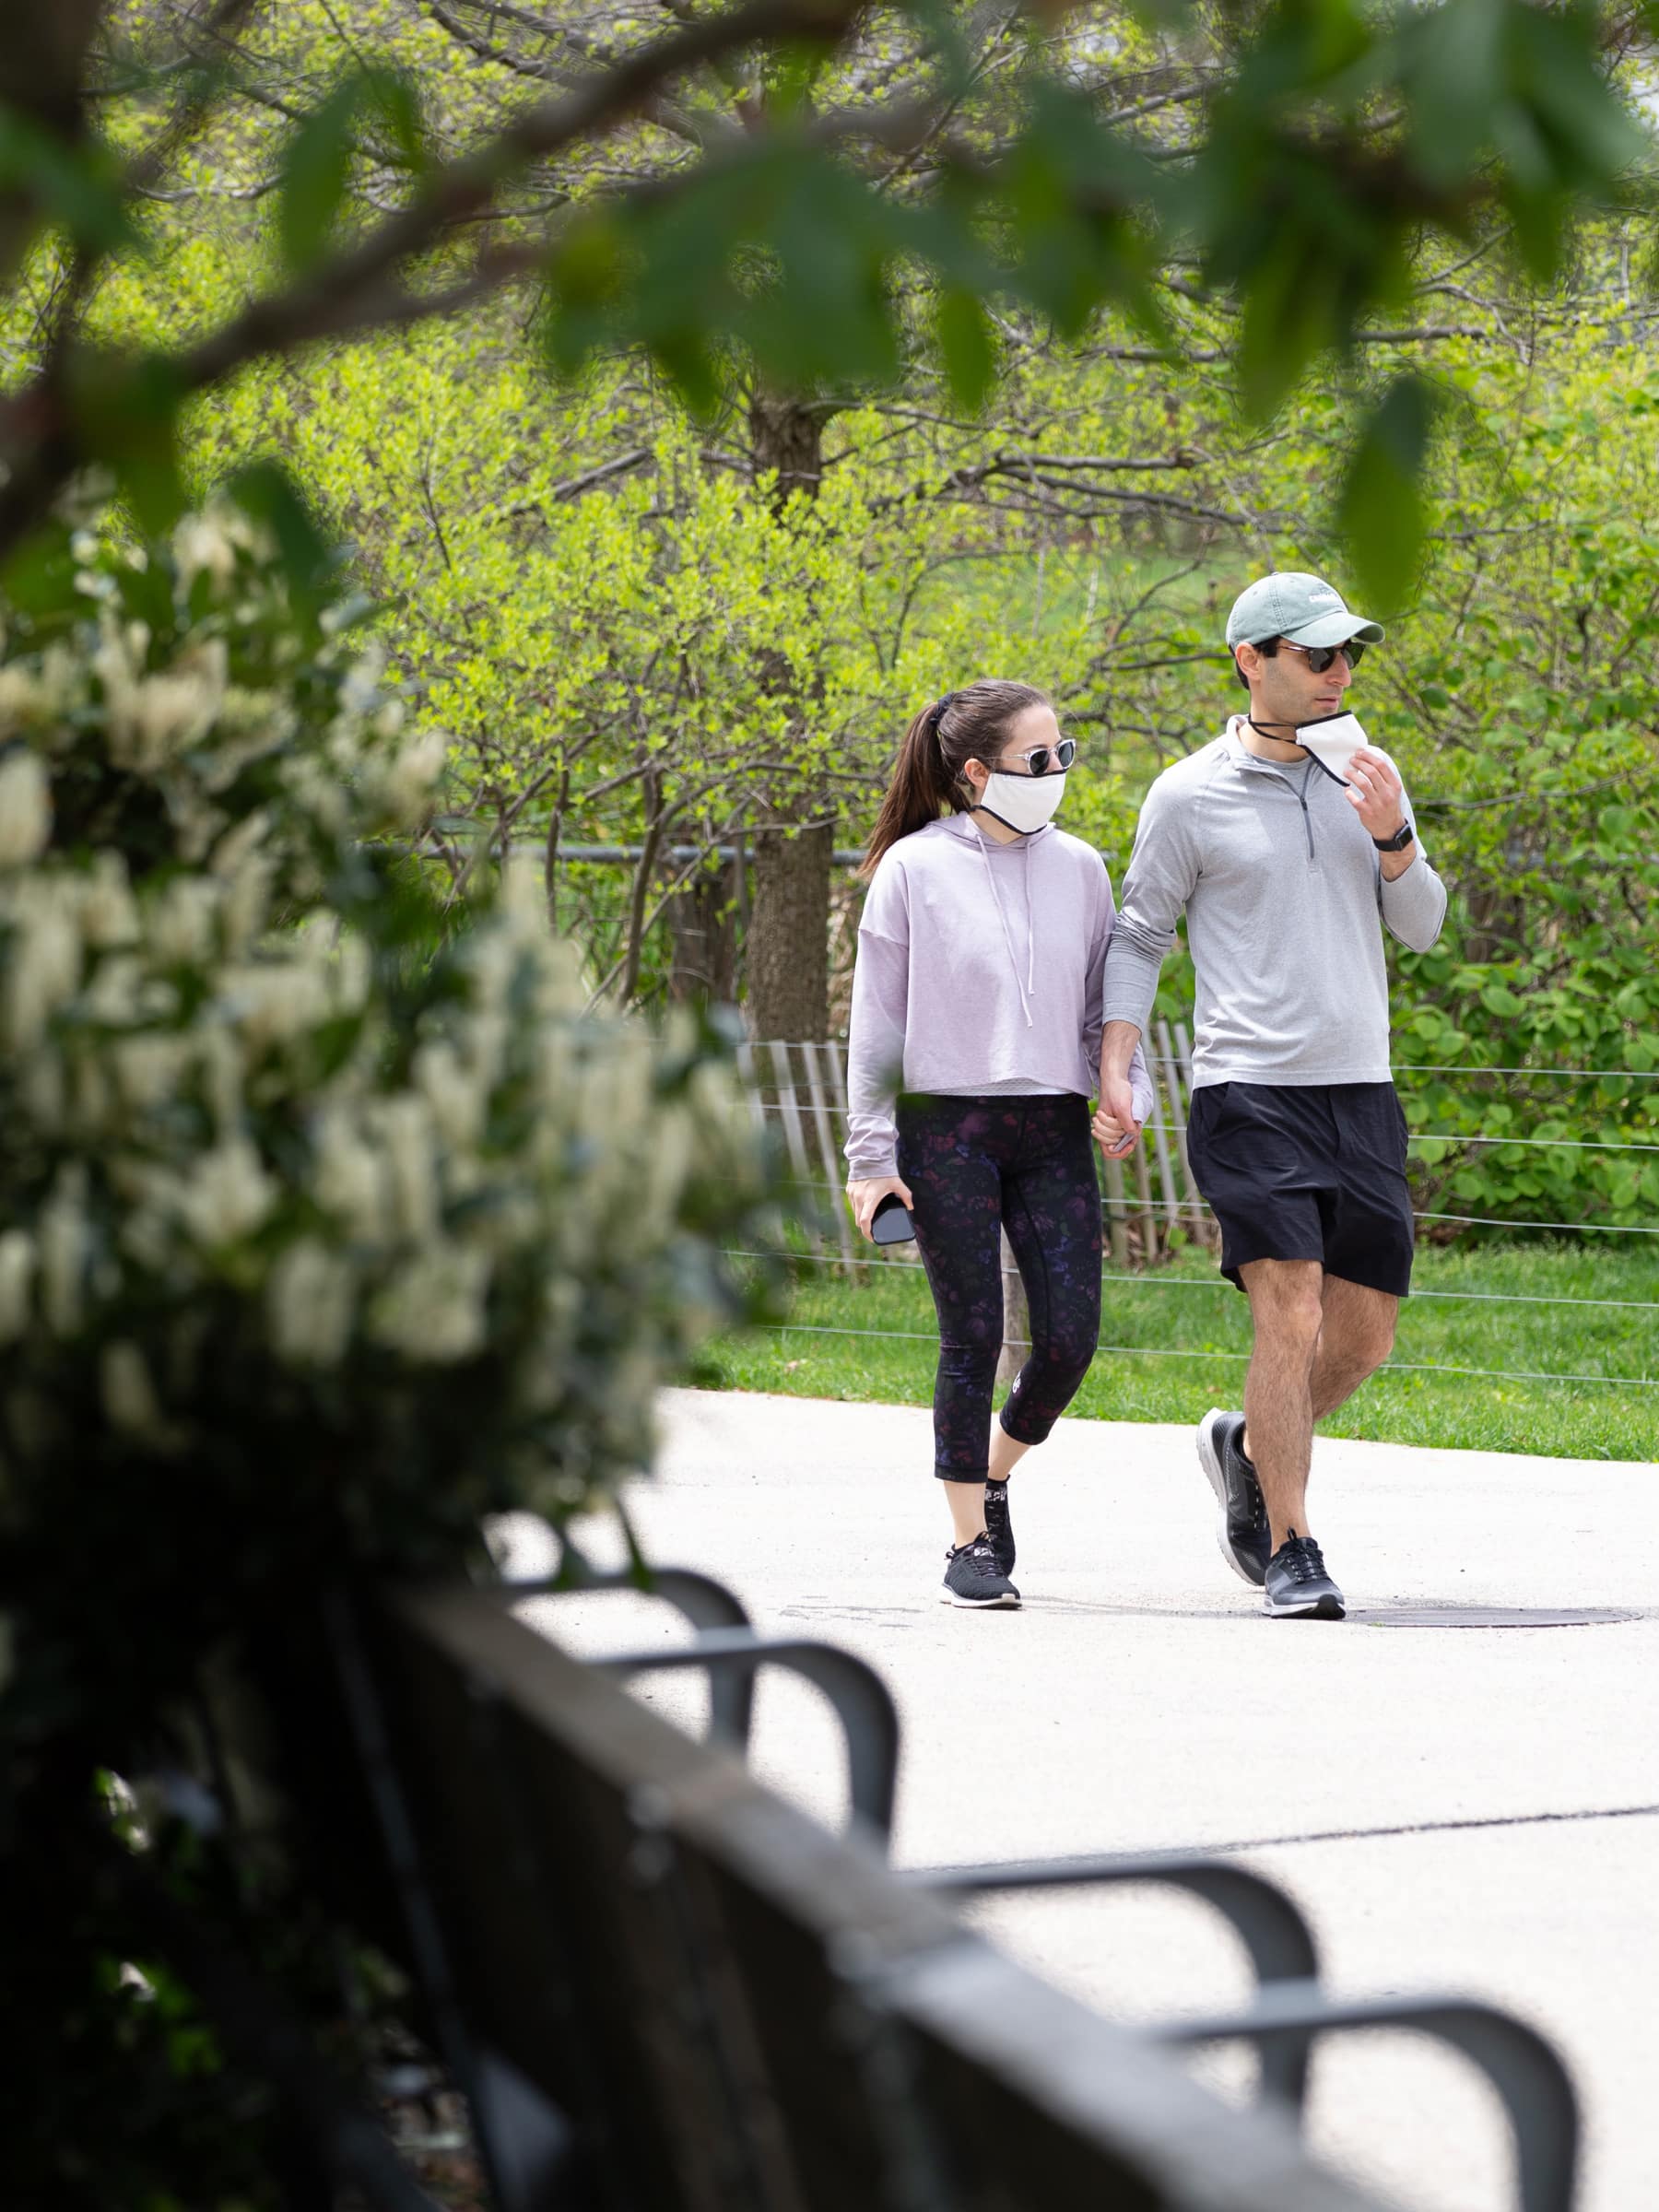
(1306, 609)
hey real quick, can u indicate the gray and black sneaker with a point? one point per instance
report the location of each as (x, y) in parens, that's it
(999, 1528)
(1298, 1586)
(1242, 1530)
(973, 1578)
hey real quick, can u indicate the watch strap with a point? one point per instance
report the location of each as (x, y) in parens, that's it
(1402, 837)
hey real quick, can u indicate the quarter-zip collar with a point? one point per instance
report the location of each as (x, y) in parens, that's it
(1281, 770)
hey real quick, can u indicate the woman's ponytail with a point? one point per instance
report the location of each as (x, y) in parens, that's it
(962, 726)
(923, 787)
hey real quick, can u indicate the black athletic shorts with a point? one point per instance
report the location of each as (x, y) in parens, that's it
(1306, 1174)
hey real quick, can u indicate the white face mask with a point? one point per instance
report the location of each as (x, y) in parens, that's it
(1023, 803)
(1333, 743)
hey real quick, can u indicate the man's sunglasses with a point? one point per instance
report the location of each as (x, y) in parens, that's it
(1042, 758)
(1320, 657)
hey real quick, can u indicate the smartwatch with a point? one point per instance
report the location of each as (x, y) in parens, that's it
(1398, 841)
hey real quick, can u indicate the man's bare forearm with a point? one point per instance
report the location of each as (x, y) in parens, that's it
(1118, 1041)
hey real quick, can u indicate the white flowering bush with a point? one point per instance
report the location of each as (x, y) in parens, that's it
(193, 703)
(314, 1248)
(328, 1224)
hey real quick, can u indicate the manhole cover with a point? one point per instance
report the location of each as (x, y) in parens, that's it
(1490, 1617)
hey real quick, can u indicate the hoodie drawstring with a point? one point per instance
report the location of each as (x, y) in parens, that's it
(1030, 933)
(1029, 984)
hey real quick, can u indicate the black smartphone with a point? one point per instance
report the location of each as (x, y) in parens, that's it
(891, 1222)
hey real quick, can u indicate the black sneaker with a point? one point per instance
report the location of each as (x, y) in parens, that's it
(973, 1578)
(1298, 1586)
(1241, 1531)
(999, 1529)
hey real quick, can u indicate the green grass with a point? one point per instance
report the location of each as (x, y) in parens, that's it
(1185, 1306)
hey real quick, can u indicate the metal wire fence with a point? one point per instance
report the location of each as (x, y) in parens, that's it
(800, 1089)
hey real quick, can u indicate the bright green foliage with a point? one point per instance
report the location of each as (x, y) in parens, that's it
(826, 244)
(625, 636)
(624, 663)
(1517, 691)
(319, 159)
(626, 642)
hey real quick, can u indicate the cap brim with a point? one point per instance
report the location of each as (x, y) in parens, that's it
(1337, 629)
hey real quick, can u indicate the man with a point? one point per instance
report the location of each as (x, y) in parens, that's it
(1296, 1137)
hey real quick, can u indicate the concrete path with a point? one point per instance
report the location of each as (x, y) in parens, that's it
(1462, 1808)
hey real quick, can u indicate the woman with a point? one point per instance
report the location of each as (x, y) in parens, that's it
(977, 997)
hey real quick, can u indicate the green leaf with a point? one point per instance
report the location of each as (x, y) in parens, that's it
(1453, 75)
(316, 164)
(126, 414)
(316, 168)
(79, 186)
(393, 100)
(265, 491)
(37, 578)
(968, 345)
(1381, 509)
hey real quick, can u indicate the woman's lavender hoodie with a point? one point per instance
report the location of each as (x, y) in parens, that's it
(979, 969)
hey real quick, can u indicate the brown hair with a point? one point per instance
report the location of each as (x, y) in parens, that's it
(927, 782)
(1267, 647)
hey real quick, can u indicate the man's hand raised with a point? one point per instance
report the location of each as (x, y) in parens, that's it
(1375, 790)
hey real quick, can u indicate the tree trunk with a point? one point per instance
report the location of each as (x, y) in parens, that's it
(786, 958)
(701, 922)
(787, 436)
(788, 951)
(45, 59)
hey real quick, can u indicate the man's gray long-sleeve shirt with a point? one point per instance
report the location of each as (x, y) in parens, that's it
(1283, 894)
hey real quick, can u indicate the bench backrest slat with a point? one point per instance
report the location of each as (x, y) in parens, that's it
(726, 1998)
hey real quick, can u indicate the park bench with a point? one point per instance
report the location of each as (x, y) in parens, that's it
(662, 1989)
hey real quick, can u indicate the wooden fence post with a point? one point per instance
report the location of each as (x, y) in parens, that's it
(810, 1102)
(1116, 1222)
(1016, 1317)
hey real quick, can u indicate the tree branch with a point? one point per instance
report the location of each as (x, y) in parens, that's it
(665, 114)
(41, 443)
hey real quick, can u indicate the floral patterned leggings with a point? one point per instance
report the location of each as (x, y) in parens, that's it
(974, 1167)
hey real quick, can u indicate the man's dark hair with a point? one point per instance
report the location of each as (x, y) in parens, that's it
(1267, 647)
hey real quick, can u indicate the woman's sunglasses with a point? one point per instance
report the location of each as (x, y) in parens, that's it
(1042, 758)
(1319, 657)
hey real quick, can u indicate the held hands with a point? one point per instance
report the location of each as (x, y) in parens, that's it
(1113, 1139)
(1115, 1126)
(1375, 790)
(865, 1196)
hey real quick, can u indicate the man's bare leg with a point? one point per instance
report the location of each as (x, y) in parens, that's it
(1283, 1396)
(1357, 1336)
(1286, 1309)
